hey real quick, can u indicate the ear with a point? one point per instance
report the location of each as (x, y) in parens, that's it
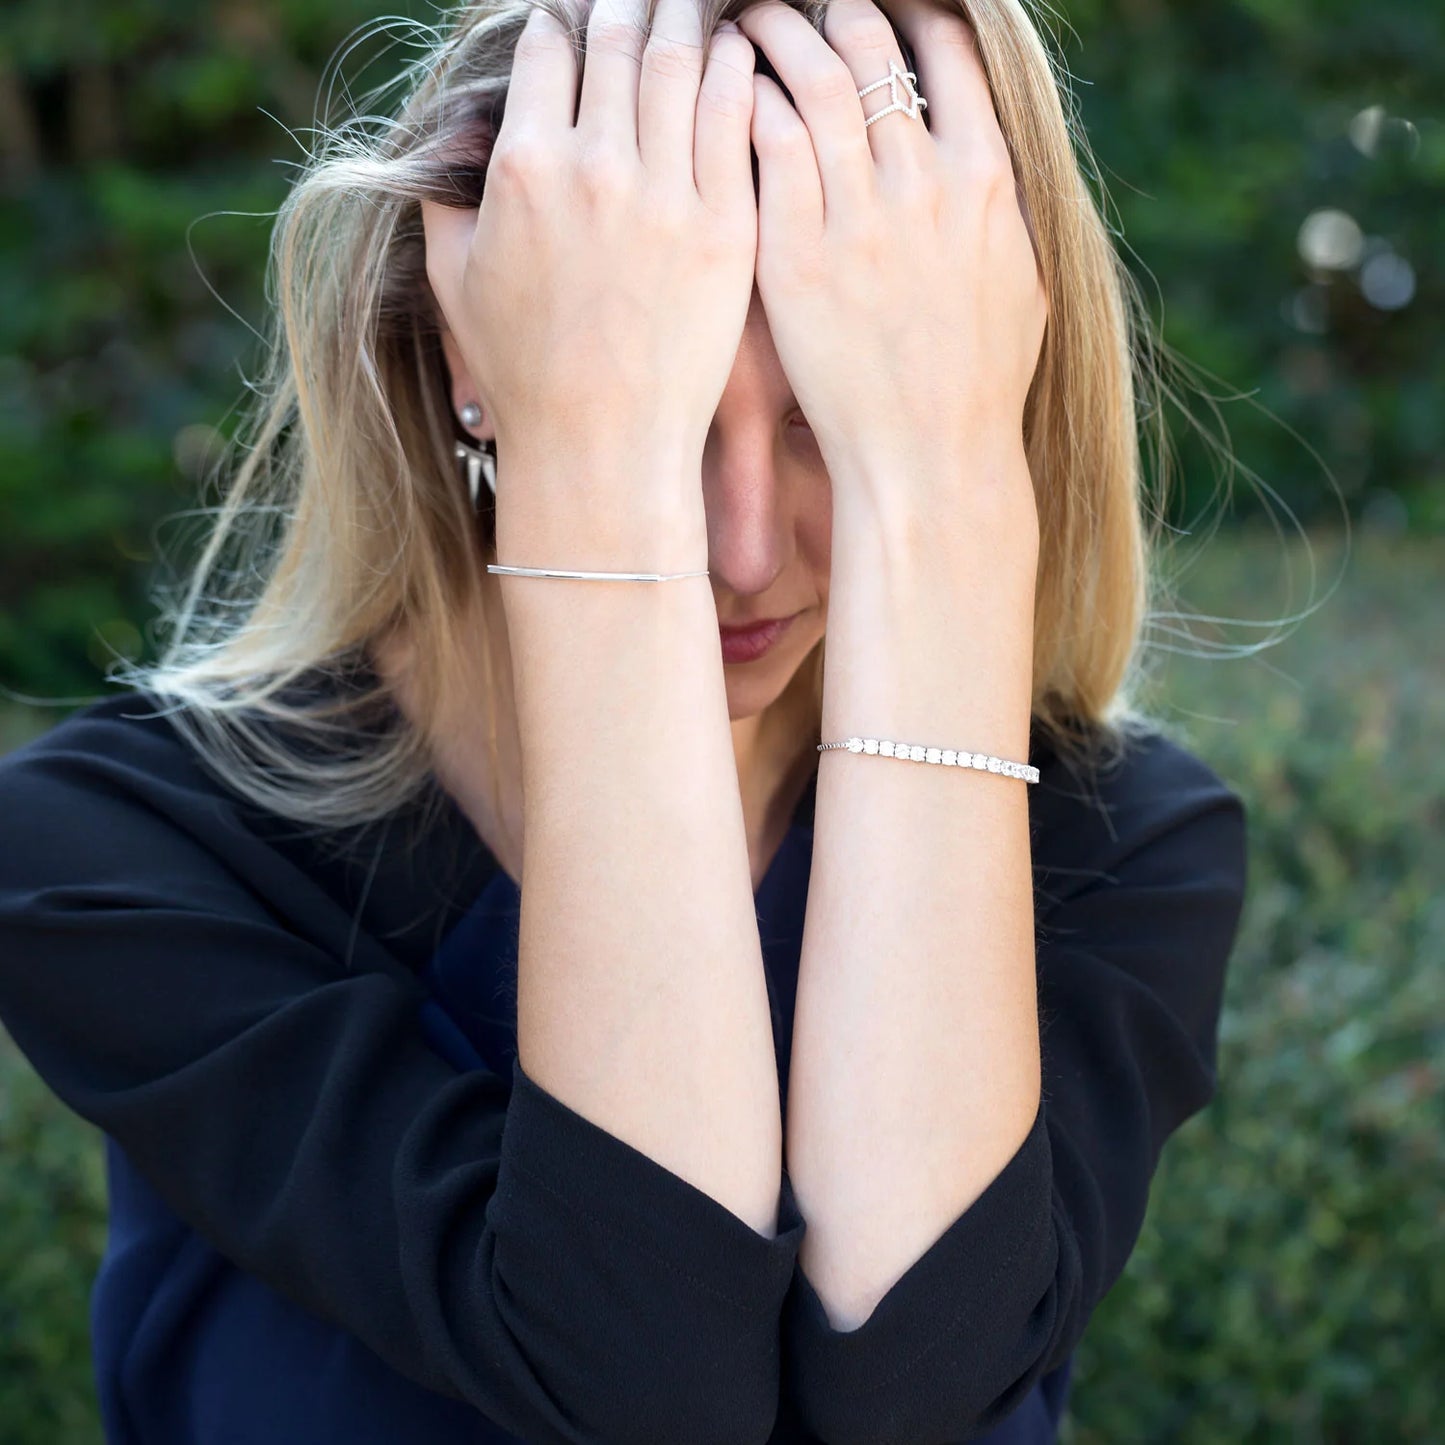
(464, 391)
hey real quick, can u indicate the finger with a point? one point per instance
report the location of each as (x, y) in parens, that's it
(542, 89)
(541, 97)
(672, 69)
(616, 36)
(950, 72)
(824, 97)
(864, 37)
(722, 163)
(790, 196)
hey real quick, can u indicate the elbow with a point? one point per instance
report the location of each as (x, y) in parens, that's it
(722, 1389)
(719, 1399)
(966, 1387)
(958, 1345)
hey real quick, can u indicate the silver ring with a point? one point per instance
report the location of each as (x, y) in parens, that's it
(916, 103)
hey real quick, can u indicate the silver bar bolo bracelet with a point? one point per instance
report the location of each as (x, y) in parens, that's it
(948, 757)
(592, 576)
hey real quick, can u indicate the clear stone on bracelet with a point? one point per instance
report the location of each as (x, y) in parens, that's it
(949, 757)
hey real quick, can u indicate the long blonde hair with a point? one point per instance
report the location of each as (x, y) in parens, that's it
(345, 517)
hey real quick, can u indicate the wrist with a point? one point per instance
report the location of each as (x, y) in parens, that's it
(931, 618)
(955, 685)
(906, 561)
(607, 509)
(919, 507)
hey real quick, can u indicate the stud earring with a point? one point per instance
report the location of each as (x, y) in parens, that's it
(478, 463)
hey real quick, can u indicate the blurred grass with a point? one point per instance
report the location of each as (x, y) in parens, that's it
(1289, 1283)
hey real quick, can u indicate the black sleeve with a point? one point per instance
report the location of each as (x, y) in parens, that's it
(486, 1241)
(1131, 956)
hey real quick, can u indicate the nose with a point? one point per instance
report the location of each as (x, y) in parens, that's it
(749, 516)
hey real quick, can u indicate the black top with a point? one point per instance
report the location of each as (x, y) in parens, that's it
(241, 1008)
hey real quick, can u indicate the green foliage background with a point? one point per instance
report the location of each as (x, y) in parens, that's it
(1289, 1284)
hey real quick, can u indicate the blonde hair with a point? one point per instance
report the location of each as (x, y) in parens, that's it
(346, 517)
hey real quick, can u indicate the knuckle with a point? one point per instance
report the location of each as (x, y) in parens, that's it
(867, 29)
(726, 102)
(985, 164)
(807, 267)
(940, 28)
(780, 138)
(726, 91)
(669, 213)
(660, 204)
(516, 161)
(672, 59)
(602, 175)
(615, 37)
(873, 245)
(920, 192)
(540, 40)
(833, 81)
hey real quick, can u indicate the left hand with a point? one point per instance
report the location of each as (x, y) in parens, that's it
(909, 318)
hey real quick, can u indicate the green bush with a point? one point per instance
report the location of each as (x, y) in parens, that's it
(1289, 1283)
(52, 1235)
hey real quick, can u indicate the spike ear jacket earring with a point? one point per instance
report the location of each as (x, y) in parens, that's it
(478, 462)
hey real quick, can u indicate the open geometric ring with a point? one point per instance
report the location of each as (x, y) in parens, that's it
(948, 757)
(916, 102)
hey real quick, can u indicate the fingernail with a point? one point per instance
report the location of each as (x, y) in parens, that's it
(729, 25)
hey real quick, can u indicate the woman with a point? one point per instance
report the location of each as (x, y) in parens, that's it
(647, 1152)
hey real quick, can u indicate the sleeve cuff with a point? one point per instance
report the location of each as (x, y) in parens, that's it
(931, 1360)
(559, 1159)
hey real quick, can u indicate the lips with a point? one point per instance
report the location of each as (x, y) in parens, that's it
(738, 629)
(743, 644)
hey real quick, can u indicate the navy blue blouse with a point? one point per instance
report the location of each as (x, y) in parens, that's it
(281, 1268)
(262, 1369)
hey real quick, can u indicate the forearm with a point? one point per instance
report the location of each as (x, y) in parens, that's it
(642, 1002)
(915, 1070)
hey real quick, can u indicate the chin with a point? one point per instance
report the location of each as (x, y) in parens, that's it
(752, 687)
(759, 690)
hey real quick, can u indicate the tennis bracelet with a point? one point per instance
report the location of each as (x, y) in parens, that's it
(948, 757)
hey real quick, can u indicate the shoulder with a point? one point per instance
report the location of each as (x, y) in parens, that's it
(110, 807)
(118, 747)
(1154, 812)
(113, 757)
(114, 807)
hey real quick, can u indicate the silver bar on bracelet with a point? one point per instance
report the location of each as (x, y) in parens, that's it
(592, 576)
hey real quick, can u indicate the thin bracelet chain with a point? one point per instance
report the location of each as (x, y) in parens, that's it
(948, 757)
(592, 576)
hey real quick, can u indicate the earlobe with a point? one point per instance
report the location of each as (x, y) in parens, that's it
(463, 393)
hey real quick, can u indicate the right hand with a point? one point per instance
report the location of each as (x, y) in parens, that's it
(599, 293)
